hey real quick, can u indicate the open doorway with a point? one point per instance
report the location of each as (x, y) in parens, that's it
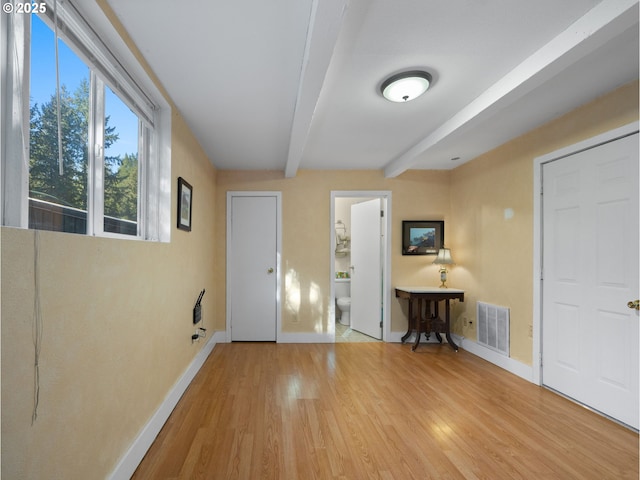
(360, 279)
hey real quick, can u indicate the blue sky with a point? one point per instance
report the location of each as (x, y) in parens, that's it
(72, 71)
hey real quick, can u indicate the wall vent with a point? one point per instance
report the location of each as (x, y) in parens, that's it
(493, 327)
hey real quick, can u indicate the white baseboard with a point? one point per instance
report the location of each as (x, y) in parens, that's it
(300, 337)
(134, 455)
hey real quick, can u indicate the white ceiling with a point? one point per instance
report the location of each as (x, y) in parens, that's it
(289, 84)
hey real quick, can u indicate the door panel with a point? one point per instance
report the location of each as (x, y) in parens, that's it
(252, 268)
(590, 272)
(366, 272)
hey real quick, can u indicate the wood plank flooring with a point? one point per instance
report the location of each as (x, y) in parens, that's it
(379, 411)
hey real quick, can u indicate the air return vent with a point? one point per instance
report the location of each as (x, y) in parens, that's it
(493, 327)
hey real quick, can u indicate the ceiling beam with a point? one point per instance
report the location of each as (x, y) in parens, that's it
(322, 35)
(593, 30)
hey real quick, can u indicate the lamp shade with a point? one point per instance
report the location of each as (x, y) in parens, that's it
(405, 86)
(444, 257)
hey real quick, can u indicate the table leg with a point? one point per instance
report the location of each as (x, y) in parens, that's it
(418, 323)
(409, 320)
(427, 319)
(436, 319)
(447, 326)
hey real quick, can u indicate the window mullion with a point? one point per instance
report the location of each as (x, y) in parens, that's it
(143, 145)
(95, 188)
(15, 124)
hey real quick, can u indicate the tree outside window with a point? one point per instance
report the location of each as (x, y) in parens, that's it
(59, 195)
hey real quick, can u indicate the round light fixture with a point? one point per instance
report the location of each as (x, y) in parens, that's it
(405, 86)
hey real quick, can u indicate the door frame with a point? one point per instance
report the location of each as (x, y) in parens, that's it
(538, 163)
(278, 196)
(385, 195)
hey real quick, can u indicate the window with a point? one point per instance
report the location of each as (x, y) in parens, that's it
(122, 132)
(57, 173)
(87, 150)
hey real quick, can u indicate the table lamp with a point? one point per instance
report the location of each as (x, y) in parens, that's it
(443, 259)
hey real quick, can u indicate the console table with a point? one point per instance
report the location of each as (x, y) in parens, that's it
(431, 321)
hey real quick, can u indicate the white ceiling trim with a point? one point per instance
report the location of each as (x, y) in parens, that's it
(584, 36)
(324, 28)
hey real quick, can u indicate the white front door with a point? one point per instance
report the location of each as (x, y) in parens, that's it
(590, 273)
(252, 267)
(366, 268)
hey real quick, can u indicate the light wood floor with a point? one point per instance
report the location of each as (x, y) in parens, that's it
(375, 410)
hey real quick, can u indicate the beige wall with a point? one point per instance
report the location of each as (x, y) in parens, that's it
(117, 313)
(487, 205)
(117, 326)
(306, 210)
(493, 249)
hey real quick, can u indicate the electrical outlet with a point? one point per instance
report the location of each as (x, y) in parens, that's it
(530, 331)
(465, 321)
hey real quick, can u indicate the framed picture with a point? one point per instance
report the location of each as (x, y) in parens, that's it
(422, 237)
(185, 204)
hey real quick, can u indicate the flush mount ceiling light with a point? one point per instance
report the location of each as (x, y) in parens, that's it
(405, 86)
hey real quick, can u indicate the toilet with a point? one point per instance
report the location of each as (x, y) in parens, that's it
(343, 299)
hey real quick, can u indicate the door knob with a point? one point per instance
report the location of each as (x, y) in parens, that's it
(635, 305)
(270, 270)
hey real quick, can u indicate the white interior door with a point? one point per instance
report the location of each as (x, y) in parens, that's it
(590, 273)
(366, 268)
(251, 267)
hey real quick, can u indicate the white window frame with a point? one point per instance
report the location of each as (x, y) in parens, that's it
(110, 61)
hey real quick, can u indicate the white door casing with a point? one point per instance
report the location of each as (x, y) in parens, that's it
(590, 261)
(386, 199)
(366, 268)
(253, 270)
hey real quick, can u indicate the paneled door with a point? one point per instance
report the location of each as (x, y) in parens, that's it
(252, 266)
(590, 274)
(366, 268)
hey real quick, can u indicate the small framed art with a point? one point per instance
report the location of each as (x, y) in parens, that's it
(185, 204)
(422, 237)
